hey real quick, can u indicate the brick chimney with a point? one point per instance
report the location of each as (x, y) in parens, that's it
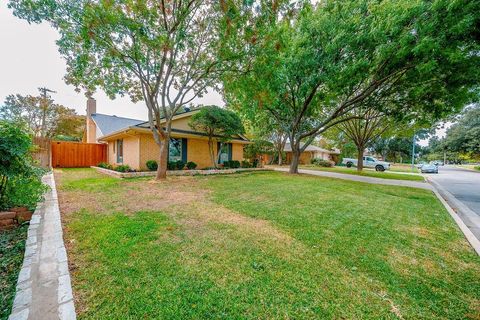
(91, 126)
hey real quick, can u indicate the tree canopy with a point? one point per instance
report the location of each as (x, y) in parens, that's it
(464, 135)
(219, 124)
(312, 72)
(165, 53)
(44, 117)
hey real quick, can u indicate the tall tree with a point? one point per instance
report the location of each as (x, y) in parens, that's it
(43, 116)
(464, 135)
(165, 53)
(310, 74)
(363, 129)
(219, 124)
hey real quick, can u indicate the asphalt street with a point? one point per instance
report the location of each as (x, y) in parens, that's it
(463, 184)
(463, 193)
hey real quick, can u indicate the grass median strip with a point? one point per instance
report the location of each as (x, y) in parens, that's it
(262, 245)
(367, 173)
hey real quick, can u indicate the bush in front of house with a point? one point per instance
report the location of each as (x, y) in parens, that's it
(123, 168)
(152, 165)
(176, 165)
(322, 163)
(477, 168)
(105, 165)
(191, 165)
(232, 164)
(179, 165)
(245, 164)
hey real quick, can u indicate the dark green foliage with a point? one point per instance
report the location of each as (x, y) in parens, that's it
(258, 148)
(179, 165)
(12, 248)
(464, 135)
(322, 163)
(191, 165)
(124, 168)
(105, 165)
(20, 181)
(176, 165)
(232, 164)
(245, 164)
(152, 165)
(219, 124)
(25, 190)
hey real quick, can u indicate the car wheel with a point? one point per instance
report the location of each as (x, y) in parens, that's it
(349, 164)
(379, 168)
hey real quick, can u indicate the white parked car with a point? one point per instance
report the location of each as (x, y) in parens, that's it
(368, 162)
(429, 168)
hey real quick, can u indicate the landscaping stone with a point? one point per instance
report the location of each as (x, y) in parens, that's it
(117, 174)
(7, 215)
(7, 223)
(23, 216)
(43, 286)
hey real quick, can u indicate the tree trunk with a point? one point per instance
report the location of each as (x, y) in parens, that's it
(360, 158)
(295, 161)
(163, 161)
(280, 160)
(212, 152)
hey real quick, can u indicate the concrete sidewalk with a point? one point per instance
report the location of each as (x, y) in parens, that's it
(346, 176)
(43, 287)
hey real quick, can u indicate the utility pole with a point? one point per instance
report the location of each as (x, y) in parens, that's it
(44, 106)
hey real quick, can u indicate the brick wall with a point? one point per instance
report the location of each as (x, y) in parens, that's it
(131, 148)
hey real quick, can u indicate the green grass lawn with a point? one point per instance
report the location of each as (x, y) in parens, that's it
(12, 247)
(367, 173)
(263, 246)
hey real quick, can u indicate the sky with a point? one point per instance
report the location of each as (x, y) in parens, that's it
(29, 59)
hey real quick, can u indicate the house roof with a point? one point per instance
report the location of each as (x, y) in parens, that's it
(108, 124)
(145, 125)
(311, 148)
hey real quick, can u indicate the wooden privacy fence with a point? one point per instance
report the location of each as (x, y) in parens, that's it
(77, 154)
(41, 153)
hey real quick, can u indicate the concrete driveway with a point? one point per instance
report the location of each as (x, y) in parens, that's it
(461, 188)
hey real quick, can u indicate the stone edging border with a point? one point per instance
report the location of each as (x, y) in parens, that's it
(174, 172)
(44, 272)
(474, 242)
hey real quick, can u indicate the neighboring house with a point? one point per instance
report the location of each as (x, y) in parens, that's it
(131, 142)
(311, 152)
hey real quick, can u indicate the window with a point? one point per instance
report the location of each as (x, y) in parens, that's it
(225, 152)
(175, 150)
(120, 151)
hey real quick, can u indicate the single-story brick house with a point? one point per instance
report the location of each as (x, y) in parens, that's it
(311, 152)
(131, 142)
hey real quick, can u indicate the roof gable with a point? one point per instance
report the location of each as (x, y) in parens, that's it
(108, 124)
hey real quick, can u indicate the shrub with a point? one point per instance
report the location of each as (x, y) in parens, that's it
(477, 168)
(321, 162)
(255, 163)
(20, 181)
(152, 165)
(179, 165)
(25, 190)
(245, 164)
(233, 164)
(123, 168)
(191, 165)
(105, 165)
(175, 165)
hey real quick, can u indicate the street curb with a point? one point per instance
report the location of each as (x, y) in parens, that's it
(474, 242)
